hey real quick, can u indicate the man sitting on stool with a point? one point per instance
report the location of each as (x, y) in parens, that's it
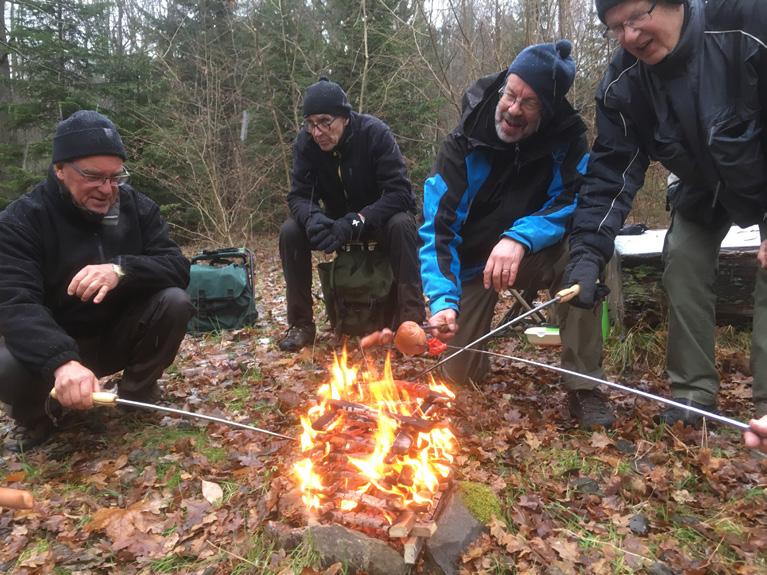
(348, 183)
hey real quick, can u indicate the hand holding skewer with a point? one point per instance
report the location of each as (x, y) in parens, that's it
(756, 436)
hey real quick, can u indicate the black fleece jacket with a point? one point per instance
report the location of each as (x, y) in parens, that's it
(365, 173)
(45, 240)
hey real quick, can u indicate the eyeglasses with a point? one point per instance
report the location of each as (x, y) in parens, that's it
(323, 125)
(98, 180)
(634, 22)
(527, 105)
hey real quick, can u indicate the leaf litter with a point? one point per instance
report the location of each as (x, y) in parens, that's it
(141, 492)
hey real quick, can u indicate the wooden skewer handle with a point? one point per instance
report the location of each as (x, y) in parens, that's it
(567, 294)
(99, 397)
(16, 498)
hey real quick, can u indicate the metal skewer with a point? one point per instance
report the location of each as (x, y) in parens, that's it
(721, 418)
(111, 399)
(565, 293)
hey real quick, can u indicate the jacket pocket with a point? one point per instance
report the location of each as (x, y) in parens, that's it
(735, 143)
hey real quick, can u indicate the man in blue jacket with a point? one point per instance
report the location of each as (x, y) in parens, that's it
(496, 211)
(348, 182)
(688, 88)
(90, 283)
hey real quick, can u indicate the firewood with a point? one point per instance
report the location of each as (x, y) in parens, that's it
(359, 519)
(424, 529)
(403, 525)
(413, 546)
(370, 500)
(402, 443)
(326, 420)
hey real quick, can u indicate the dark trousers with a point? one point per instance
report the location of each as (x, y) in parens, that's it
(399, 238)
(143, 342)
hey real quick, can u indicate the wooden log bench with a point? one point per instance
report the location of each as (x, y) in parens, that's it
(634, 276)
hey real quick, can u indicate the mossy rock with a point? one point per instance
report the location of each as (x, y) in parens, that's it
(480, 500)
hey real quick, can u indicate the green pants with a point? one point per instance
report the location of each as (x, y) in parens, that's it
(579, 328)
(691, 263)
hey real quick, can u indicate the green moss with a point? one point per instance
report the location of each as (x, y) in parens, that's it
(480, 500)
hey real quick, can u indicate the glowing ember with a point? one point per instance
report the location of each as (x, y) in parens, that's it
(375, 443)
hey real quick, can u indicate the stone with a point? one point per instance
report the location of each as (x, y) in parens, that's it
(360, 553)
(639, 524)
(659, 568)
(456, 530)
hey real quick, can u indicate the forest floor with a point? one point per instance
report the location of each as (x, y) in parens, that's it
(128, 493)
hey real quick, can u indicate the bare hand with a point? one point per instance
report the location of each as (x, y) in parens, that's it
(94, 280)
(75, 385)
(757, 435)
(445, 323)
(762, 255)
(503, 264)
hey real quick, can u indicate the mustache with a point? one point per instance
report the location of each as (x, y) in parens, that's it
(516, 121)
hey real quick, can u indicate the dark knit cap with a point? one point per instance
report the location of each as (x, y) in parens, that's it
(326, 97)
(548, 69)
(604, 5)
(86, 133)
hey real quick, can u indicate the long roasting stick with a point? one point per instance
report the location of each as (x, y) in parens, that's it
(721, 418)
(562, 295)
(111, 399)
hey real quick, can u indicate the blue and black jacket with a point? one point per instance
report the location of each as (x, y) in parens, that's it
(482, 189)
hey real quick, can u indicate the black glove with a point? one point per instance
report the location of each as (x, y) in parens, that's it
(584, 270)
(319, 231)
(346, 229)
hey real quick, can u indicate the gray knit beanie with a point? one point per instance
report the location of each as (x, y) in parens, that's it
(86, 133)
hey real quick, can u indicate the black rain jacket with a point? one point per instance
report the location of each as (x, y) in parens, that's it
(45, 240)
(701, 112)
(365, 173)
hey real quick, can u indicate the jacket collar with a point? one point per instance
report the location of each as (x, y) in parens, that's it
(690, 41)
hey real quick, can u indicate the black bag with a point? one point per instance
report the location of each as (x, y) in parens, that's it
(357, 289)
(221, 289)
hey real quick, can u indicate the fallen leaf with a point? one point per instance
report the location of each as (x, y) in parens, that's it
(212, 492)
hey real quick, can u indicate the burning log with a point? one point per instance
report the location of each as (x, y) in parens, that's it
(402, 443)
(326, 420)
(404, 524)
(370, 500)
(358, 409)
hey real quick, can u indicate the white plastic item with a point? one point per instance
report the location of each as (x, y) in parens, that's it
(540, 335)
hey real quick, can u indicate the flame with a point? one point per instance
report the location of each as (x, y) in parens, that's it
(413, 476)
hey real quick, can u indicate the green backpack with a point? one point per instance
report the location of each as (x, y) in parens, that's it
(221, 289)
(357, 289)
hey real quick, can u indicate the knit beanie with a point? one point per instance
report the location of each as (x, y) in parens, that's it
(326, 97)
(86, 133)
(604, 5)
(548, 69)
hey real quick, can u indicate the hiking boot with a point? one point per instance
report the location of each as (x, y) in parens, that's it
(297, 337)
(673, 414)
(590, 408)
(27, 436)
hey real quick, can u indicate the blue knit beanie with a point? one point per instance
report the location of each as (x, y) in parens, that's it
(86, 133)
(326, 97)
(548, 69)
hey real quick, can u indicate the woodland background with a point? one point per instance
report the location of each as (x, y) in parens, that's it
(207, 94)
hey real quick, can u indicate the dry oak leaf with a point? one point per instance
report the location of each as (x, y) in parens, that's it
(510, 542)
(567, 550)
(212, 492)
(600, 440)
(532, 440)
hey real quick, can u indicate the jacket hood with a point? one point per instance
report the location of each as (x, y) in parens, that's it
(478, 121)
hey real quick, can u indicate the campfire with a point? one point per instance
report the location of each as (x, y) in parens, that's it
(377, 454)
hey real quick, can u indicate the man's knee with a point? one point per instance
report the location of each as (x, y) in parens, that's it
(174, 304)
(401, 223)
(291, 232)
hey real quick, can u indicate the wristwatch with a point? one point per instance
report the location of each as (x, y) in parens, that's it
(118, 270)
